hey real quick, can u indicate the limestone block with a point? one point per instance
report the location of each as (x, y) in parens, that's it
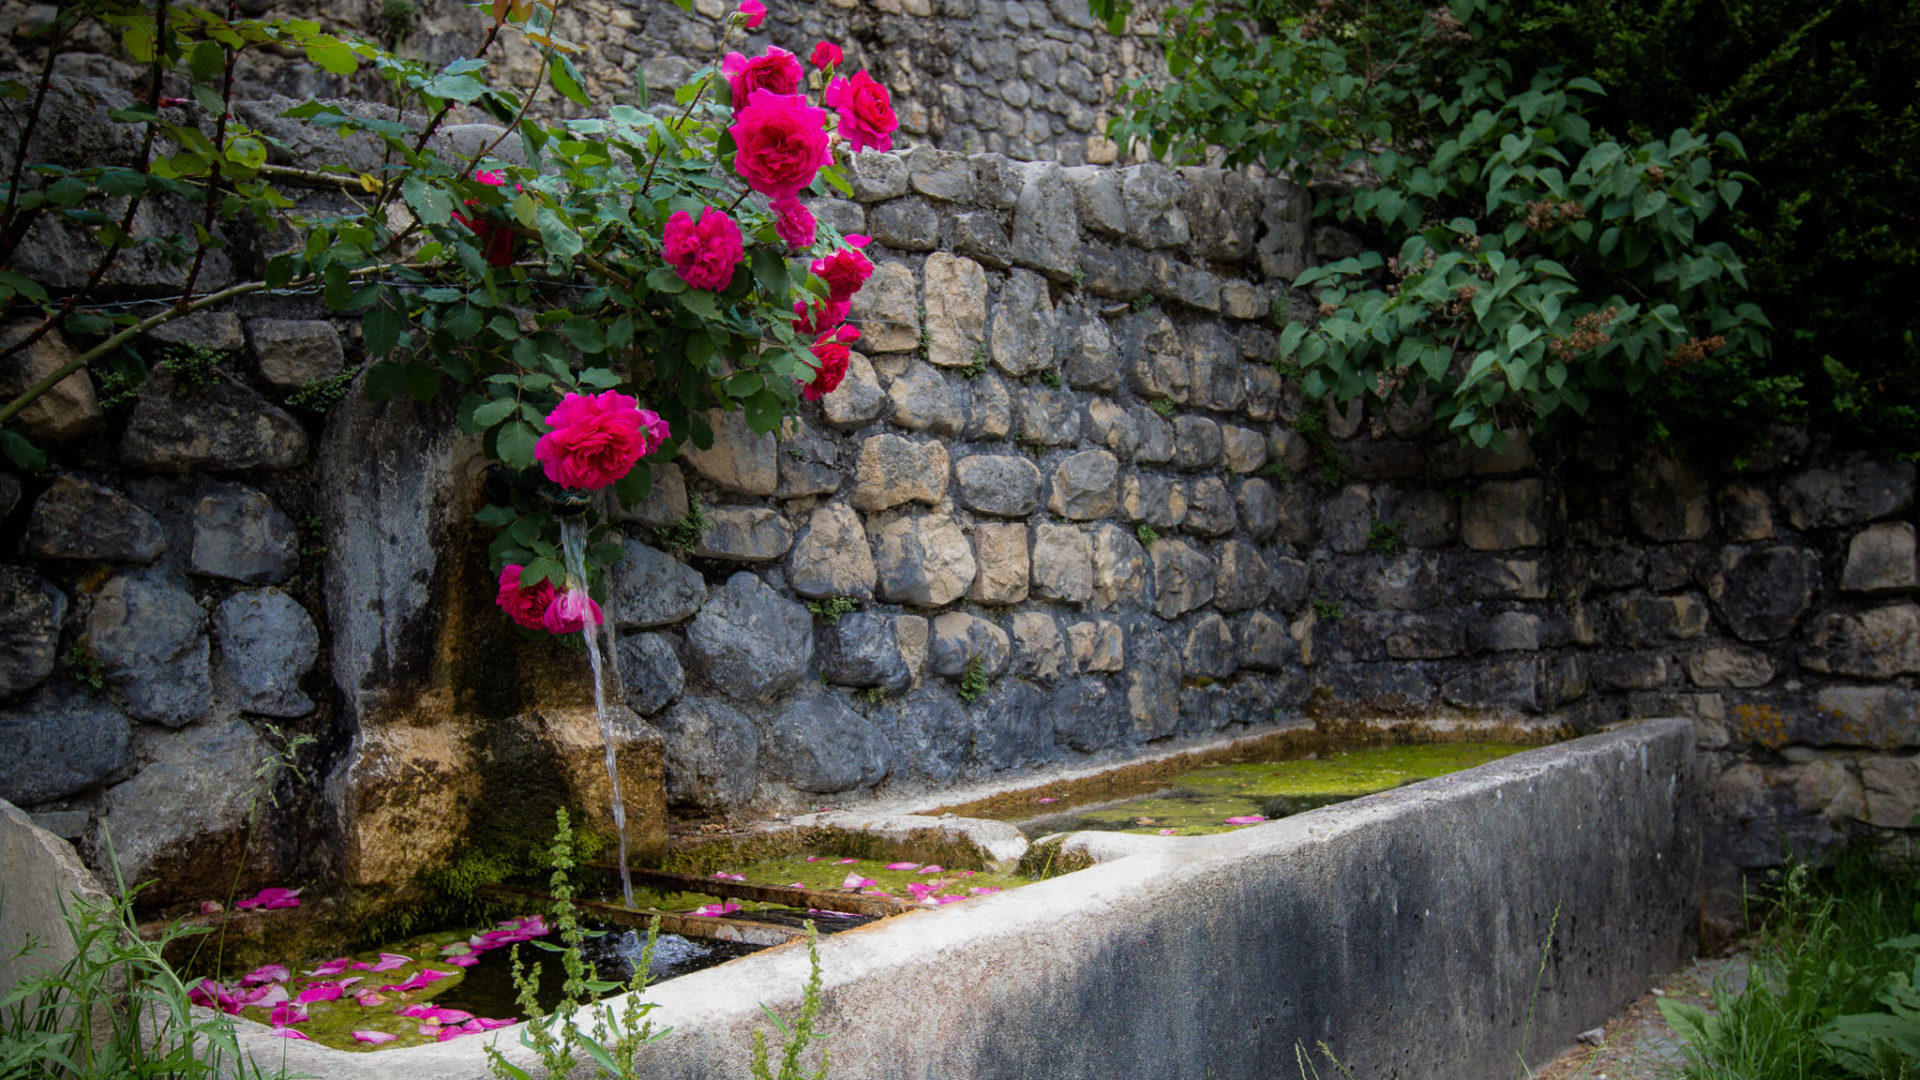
(1761, 592)
(1825, 498)
(925, 400)
(924, 560)
(750, 642)
(1876, 644)
(831, 557)
(821, 745)
(295, 352)
(220, 427)
(650, 588)
(1062, 564)
(268, 643)
(959, 641)
(151, 636)
(1097, 646)
(1001, 550)
(1209, 651)
(858, 400)
(886, 311)
(1730, 665)
(240, 535)
(1502, 515)
(1182, 578)
(1086, 486)
(956, 302)
(66, 410)
(868, 649)
(893, 470)
(76, 518)
(1210, 510)
(55, 752)
(712, 752)
(1003, 485)
(739, 459)
(744, 534)
(1023, 325)
(1039, 651)
(650, 670)
(1668, 500)
(1048, 417)
(1880, 559)
(1119, 567)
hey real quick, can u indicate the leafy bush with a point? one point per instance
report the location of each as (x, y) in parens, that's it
(1548, 203)
(1831, 989)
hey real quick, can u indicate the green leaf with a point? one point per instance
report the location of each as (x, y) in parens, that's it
(516, 443)
(494, 411)
(608, 554)
(567, 80)
(385, 381)
(665, 279)
(380, 328)
(432, 205)
(337, 287)
(423, 381)
(763, 412)
(67, 191)
(21, 452)
(560, 238)
(634, 487)
(585, 334)
(207, 61)
(334, 56)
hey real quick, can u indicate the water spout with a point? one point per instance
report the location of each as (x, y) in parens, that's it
(573, 534)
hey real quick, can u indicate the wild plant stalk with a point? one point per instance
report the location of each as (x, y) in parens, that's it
(1539, 976)
(116, 1010)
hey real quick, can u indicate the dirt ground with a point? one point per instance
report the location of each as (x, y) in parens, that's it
(1637, 1044)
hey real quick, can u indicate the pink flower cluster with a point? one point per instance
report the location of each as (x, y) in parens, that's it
(542, 607)
(596, 438)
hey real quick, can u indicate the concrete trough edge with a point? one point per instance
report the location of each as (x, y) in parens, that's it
(1405, 930)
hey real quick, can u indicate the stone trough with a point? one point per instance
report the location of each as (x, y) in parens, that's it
(1451, 928)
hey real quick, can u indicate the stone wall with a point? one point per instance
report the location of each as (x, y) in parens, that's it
(1062, 508)
(1033, 79)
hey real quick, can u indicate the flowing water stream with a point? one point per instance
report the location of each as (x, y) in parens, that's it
(573, 543)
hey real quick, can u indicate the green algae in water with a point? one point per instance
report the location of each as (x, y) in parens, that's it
(1199, 802)
(832, 872)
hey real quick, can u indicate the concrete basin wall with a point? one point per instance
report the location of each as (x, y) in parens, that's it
(1405, 930)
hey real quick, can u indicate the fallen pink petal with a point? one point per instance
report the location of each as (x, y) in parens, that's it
(389, 961)
(466, 960)
(948, 899)
(903, 866)
(855, 881)
(931, 869)
(724, 876)
(1247, 819)
(488, 1024)
(266, 973)
(369, 998)
(1168, 832)
(211, 907)
(263, 996)
(419, 981)
(1048, 799)
(333, 967)
(844, 862)
(983, 890)
(290, 1033)
(287, 1013)
(374, 1037)
(714, 911)
(320, 991)
(275, 897)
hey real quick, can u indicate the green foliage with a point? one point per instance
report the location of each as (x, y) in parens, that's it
(85, 668)
(194, 365)
(795, 1037)
(1518, 260)
(830, 609)
(563, 1040)
(1145, 534)
(1047, 377)
(1383, 537)
(978, 365)
(975, 682)
(1326, 607)
(874, 695)
(1831, 986)
(321, 395)
(1141, 303)
(116, 1011)
(1163, 406)
(682, 535)
(398, 18)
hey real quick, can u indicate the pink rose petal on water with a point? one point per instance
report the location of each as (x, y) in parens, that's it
(724, 876)
(931, 869)
(419, 980)
(428, 1029)
(275, 897)
(714, 911)
(903, 866)
(830, 914)
(333, 967)
(1247, 819)
(813, 858)
(983, 890)
(369, 998)
(290, 1033)
(320, 991)
(211, 907)
(948, 899)
(1168, 832)
(263, 996)
(1048, 799)
(488, 1025)
(844, 862)
(389, 961)
(465, 961)
(266, 973)
(287, 1013)
(374, 1037)
(921, 892)
(855, 881)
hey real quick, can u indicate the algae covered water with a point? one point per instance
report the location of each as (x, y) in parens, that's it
(1224, 797)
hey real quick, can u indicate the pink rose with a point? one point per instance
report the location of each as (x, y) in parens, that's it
(781, 142)
(826, 54)
(704, 253)
(866, 111)
(844, 271)
(823, 316)
(596, 438)
(794, 224)
(755, 13)
(830, 354)
(570, 612)
(776, 71)
(526, 606)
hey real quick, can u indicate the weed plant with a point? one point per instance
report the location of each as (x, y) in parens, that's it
(1833, 984)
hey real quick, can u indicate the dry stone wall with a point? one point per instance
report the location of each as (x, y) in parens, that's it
(1033, 79)
(1062, 508)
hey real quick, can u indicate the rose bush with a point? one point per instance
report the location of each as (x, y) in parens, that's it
(590, 301)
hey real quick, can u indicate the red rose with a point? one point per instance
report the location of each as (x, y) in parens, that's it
(780, 141)
(596, 439)
(830, 366)
(794, 223)
(495, 238)
(844, 271)
(826, 54)
(776, 71)
(704, 253)
(866, 111)
(526, 606)
(754, 12)
(569, 612)
(823, 316)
